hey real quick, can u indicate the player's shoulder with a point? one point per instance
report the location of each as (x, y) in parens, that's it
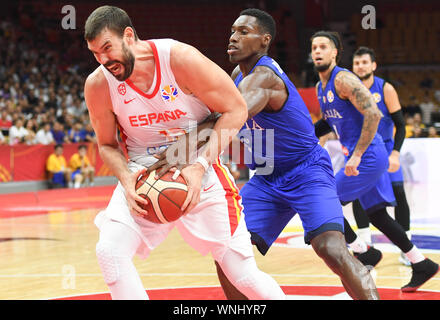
(388, 87)
(344, 77)
(96, 86)
(96, 78)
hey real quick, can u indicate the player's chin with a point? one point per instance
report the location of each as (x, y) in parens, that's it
(233, 58)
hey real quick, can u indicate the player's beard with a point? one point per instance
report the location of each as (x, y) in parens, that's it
(366, 76)
(322, 67)
(127, 62)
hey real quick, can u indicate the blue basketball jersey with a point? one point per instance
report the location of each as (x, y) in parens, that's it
(345, 120)
(386, 125)
(289, 132)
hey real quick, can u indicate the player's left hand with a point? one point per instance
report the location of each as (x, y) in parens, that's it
(352, 165)
(394, 161)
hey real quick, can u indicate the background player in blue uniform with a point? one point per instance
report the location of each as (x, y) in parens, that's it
(297, 176)
(349, 109)
(386, 98)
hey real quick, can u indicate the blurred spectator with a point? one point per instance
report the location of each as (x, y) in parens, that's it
(44, 135)
(59, 175)
(82, 170)
(58, 133)
(87, 134)
(418, 121)
(432, 132)
(409, 127)
(5, 122)
(31, 128)
(418, 132)
(75, 132)
(17, 133)
(427, 107)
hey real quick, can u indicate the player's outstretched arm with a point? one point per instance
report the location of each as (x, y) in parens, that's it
(258, 88)
(348, 86)
(198, 75)
(97, 97)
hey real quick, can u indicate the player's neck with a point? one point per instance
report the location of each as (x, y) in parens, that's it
(144, 65)
(324, 76)
(247, 65)
(368, 82)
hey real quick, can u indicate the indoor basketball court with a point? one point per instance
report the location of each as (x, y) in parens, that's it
(47, 234)
(49, 240)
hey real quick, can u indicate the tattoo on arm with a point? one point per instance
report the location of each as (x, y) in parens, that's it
(350, 87)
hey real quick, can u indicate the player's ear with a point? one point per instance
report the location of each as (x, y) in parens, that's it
(374, 66)
(266, 40)
(334, 53)
(129, 35)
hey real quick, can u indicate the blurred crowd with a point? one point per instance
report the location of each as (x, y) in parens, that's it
(41, 96)
(42, 77)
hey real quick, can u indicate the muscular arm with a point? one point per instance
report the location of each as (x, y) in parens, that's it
(262, 89)
(348, 86)
(207, 81)
(97, 97)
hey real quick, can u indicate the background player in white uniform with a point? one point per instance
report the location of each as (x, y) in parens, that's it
(153, 90)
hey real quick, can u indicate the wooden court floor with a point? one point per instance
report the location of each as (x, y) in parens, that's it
(53, 255)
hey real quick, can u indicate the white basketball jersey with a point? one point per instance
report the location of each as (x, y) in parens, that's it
(150, 121)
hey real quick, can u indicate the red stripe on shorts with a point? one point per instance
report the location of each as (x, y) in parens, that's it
(232, 195)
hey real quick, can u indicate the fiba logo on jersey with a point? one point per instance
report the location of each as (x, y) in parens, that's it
(121, 89)
(330, 96)
(377, 97)
(169, 93)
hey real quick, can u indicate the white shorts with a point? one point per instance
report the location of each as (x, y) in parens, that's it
(215, 224)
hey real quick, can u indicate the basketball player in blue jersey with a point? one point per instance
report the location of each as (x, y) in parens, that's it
(386, 98)
(349, 109)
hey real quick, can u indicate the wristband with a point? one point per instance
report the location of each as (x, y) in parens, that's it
(203, 162)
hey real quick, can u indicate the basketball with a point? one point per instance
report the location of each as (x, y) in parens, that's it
(165, 196)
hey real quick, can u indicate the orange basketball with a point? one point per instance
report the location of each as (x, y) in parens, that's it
(165, 196)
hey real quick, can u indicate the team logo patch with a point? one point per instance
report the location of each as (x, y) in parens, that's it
(121, 89)
(169, 93)
(377, 97)
(330, 96)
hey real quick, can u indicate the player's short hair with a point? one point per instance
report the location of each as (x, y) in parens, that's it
(113, 18)
(334, 37)
(365, 50)
(264, 20)
(82, 146)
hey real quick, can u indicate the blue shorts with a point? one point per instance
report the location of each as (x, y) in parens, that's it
(271, 201)
(395, 177)
(372, 186)
(74, 173)
(58, 178)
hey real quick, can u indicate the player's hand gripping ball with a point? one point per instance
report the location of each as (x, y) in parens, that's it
(165, 196)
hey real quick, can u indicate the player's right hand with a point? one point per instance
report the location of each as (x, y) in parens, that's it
(131, 195)
(352, 165)
(394, 161)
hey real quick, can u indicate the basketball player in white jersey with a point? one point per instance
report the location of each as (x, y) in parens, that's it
(153, 90)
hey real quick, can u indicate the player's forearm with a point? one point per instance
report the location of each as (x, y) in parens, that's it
(115, 159)
(226, 127)
(369, 129)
